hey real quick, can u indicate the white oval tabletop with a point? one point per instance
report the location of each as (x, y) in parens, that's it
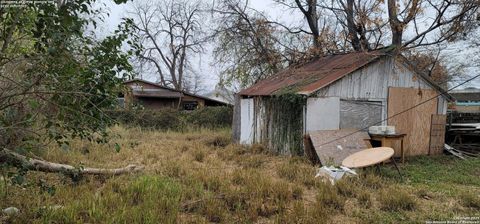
(368, 157)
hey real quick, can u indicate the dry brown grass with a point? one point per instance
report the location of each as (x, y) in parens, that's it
(199, 177)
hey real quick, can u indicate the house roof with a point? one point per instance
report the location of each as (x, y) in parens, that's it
(466, 95)
(319, 73)
(312, 76)
(167, 93)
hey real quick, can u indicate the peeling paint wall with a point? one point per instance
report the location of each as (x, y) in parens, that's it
(323, 114)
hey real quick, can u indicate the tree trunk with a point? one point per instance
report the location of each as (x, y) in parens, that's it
(397, 38)
(352, 28)
(312, 19)
(396, 25)
(17, 160)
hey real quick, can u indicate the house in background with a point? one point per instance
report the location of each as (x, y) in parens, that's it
(467, 100)
(154, 96)
(340, 93)
(222, 94)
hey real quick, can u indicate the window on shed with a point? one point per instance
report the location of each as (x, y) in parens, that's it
(360, 114)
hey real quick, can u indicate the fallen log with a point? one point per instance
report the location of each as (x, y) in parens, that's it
(21, 161)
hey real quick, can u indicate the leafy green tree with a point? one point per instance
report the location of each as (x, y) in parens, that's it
(55, 78)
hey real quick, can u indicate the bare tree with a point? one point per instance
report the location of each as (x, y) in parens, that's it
(246, 48)
(361, 22)
(309, 11)
(446, 19)
(171, 33)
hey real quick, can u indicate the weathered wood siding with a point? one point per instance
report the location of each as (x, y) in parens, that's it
(236, 121)
(372, 81)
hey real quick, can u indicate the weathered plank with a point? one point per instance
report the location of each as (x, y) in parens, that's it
(236, 121)
(437, 134)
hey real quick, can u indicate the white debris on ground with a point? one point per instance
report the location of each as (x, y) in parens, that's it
(333, 174)
(10, 211)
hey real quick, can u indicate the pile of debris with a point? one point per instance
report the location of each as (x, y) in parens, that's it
(463, 134)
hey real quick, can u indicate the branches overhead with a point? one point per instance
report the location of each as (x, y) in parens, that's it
(170, 32)
(250, 45)
(363, 22)
(246, 43)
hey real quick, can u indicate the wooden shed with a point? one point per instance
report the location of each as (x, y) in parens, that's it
(154, 96)
(342, 92)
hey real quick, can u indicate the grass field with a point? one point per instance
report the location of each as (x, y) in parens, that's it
(199, 177)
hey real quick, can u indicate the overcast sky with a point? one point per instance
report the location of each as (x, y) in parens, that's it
(454, 54)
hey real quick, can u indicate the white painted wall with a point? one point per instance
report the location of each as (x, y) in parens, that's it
(323, 113)
(246, 121)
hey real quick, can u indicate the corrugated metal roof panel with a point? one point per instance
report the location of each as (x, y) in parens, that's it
(312, 76)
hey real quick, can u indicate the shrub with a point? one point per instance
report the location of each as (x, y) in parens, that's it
(172, 119)
(393, 199)
(209, 117)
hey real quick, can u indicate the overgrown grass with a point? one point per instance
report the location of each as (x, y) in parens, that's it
(199, 177)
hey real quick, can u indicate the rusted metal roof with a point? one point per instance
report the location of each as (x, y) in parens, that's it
(161, 91)
(312, 76)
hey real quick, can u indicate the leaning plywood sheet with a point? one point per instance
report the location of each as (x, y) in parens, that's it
(410, 111)
(332, 146)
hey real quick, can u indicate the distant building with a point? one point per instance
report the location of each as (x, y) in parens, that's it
(154, 96)
(222, 94)
(467, 100)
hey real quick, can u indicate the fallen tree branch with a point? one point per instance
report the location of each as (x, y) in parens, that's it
(21, 161)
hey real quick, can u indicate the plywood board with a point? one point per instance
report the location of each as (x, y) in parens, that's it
(323, 114)
(333, 146)
(437, 134)
(411, 120)
(360, 114)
